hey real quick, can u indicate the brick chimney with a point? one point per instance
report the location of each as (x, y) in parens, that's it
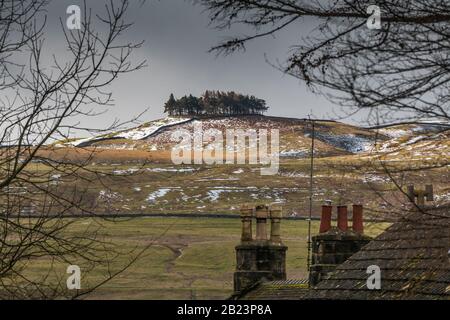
(260, 259)
(334, 245)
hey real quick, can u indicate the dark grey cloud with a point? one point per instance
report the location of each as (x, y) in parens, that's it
(177, 38)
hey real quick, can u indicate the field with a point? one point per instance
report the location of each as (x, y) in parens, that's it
(189, 258)
(162, 188)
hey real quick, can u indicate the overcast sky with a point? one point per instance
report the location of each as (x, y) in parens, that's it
(177, 38)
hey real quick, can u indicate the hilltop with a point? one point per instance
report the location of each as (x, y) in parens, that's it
(332, 138)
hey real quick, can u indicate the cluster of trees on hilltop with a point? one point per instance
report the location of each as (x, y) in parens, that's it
(215, 103)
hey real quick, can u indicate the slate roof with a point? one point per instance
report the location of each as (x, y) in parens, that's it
(412, 255)
(276, 290)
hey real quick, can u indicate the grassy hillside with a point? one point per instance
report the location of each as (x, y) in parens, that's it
(333, 138)
(152, 141)
(134, 188)
(138, 176)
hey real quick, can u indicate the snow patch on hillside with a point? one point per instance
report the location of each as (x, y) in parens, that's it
(399, 131)
(293, 153)
(348, 142)
(138, 133)
(125, 171)
(150, 128)
(444, 197)
(160, 193)
(394, 133)
(177, 170)
(157, 194)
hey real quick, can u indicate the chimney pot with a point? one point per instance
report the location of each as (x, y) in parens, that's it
(325, 221)
(275, 217)
(262, 213)
(358, 222)
(429, 192)
(275, 211)
(246, 217)
(411, 193)
(421, 195)
(342, 218)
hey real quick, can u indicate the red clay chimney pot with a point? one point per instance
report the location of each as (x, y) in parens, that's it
(342, 218)
(358, 222)
(325, 221)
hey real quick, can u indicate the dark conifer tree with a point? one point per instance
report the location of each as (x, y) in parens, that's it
(170, 105)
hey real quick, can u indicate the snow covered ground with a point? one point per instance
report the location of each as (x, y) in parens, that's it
(150, 128)
(178, 170)
(294, 137)
(138, 133)
(419, 140)
(160, 193)
(349, 142)
(293, 153)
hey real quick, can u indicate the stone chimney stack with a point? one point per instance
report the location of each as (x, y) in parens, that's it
(420, 194)
(260, 259)
(334, 245)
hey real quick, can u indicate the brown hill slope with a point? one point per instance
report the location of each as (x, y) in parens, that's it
(333, 138)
